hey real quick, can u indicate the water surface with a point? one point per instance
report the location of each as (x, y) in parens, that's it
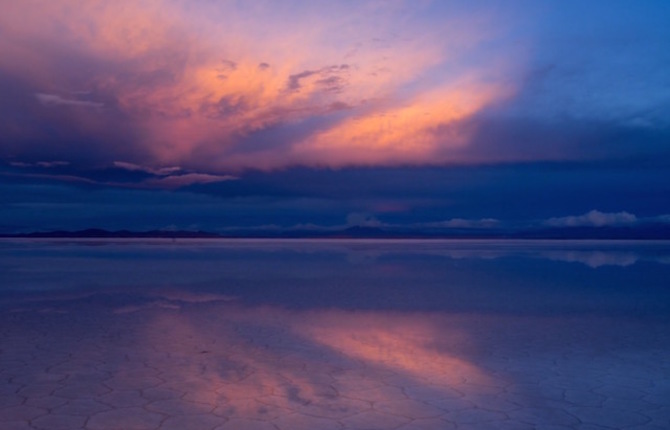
(361, 334)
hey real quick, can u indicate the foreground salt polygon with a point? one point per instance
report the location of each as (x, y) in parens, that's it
(173, 363)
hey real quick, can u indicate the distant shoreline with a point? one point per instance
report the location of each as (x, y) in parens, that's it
(591, 233)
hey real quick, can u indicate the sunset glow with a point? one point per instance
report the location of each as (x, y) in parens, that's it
(262, 118)
(195, 84)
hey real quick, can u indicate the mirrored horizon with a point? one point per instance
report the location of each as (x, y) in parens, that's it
(626, 277)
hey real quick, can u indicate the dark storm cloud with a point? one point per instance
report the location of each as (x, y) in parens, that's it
(560, 139)
(80, 129)
(502, 196)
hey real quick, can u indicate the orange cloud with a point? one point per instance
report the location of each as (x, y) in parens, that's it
(417, 132)
(196, 82)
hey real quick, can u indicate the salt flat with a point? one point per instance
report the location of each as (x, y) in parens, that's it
(168, 357)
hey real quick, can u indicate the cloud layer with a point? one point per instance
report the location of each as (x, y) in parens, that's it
(226, 86)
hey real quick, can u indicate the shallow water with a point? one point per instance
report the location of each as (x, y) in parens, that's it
(363, 334)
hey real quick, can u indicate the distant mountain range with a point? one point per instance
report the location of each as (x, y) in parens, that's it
(651, 231)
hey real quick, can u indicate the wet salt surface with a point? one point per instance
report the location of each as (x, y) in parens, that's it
(341, 335)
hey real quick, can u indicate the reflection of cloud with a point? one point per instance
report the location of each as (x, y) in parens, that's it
(266, 364)
(590, 253)
(410, 344)
(594, 259)
(593, 219)
(210, 363)
(283, 367)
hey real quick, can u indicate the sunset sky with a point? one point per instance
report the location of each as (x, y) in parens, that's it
(275, 115)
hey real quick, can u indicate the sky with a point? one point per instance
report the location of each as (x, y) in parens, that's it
(224, 115)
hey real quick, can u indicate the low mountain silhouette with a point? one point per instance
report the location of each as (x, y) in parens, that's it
(649, 231)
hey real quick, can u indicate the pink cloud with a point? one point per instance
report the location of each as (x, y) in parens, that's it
(193, 84)
(419, 131)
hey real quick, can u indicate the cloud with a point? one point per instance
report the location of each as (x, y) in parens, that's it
(593, 218)
(199, 85)
(56, 100)
(53, 178)
(52, 163)
(162, 171)
(161, 178)
(45, 164)
(331, 78)
(194, 85)
(424, 130)
(361, 219)
(464, 223)
(178, 181)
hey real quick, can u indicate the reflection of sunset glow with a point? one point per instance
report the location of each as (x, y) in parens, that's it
(412, 344)
(180, 359)
(269, 364)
